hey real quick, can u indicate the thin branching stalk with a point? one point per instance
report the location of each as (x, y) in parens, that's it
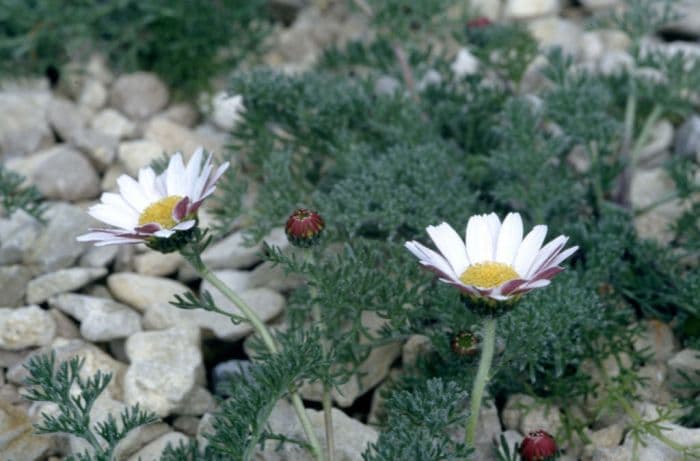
(482, 377)
(269, 342)
(327, 402)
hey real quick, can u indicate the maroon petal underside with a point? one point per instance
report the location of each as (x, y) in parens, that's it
(180, 210)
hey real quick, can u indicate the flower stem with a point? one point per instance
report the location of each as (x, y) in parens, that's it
(264, 333)
(327, 402)
(482, 377)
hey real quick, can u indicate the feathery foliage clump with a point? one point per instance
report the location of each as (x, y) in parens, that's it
(186, 43)
(381, 165)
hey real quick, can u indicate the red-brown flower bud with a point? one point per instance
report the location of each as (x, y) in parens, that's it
(478, 23)
(304, 227)
(538, 446)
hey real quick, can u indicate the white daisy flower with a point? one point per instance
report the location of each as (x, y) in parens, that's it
(494, 261)
(155, 206)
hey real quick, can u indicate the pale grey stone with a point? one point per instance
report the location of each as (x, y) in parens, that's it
(688, 12)
(687, 142)
(65, 118)
(649, 448)
(685, 362)
(607, 437)
(13, 285)
(540, 416)
(657, 339)
(528, 9)
(266, 303)
(197, 403)
(182, 113)
(157, 264)
(100, 319)
(351, 436)
(94, 360)
(489, 8)
(377, 410)
(93, 94)
(430, 78)
(141, 291)
(139, 438)
(386, 86)
(233, 253)
(272, 276)
(165, 369)
(658, 144)
(24, 127)
(416, 346)
(649, 186)
(134, 155)
(24, 327)
(226, 110)
(153, 451)
(19, 441)
(112, 123)
(557, 32)
(100, 148)
(65, 327)
(99, 256)
(43, 287)
(17, 234)
(139, 95)
(187, 425)
(65, 174)
(370, 372)
(177, 138)
(465, 63)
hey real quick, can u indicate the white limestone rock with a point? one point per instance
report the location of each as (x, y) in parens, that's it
(134, 155)
(166, 367)
(100, 319)
(139, 95)
(24, 327)
(141, 291)
(112, 123)
(226, 110)
(64, 280)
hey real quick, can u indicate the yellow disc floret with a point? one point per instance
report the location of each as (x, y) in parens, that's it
(160, 212)
(488, 274)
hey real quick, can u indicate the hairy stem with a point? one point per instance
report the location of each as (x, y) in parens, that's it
(482, 377)
(327, 402)
(267, 338)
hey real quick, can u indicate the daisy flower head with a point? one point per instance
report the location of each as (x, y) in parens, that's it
(494, 263)
(158, 210)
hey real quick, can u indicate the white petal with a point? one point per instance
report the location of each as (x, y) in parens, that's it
(450, 245)
(494, 227)
(509, 238)
(479, 241)
(184, 225)
(193, 169)
(429, 257)
(164, 233)
(563, 255)
(147, 181)
(118, 202)
(528, 249)
(175, 176)
(112, 216)
(538, 284)
(546, 253)
(132, 193)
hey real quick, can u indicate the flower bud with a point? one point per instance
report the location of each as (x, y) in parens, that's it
(538, 446)
(304, 227)
(465, 344)
(478, 23)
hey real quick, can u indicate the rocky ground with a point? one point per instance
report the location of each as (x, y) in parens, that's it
(110, 304)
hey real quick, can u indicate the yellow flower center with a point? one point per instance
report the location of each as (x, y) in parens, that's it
(160, 212)
(488, 274)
